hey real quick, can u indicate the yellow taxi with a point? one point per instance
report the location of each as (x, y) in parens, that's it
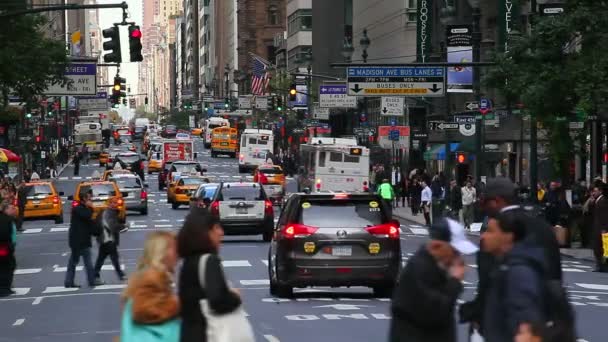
(43, 201)
(107, 174)
(104, 157)
(155, 159)
(103, 193)
(275, 185)
(197, 131)
(179, 192)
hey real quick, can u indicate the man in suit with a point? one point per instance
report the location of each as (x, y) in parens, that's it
(600, 224)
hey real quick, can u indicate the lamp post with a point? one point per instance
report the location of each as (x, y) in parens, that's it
(347, 50)
(227, 81)
(365, 42)
(479, 123)
(447, 16)
(306, 61)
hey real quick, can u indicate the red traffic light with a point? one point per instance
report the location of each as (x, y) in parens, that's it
(136, 33)
(461, 158)
(38, 139)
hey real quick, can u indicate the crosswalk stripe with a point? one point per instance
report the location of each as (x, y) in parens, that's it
(568, 269)
(419, 231)
(163, 225)
(265, 262)
(236, 263)
(28, 270)
(59, 229)
(255, 282)
(110, 287)
(592, 286)
(80, 268)
(59, 289)
(32, 230)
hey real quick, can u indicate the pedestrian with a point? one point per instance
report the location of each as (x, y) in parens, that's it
(8, 243)
(82, 229)
(425, 198)
(35, 176)
(76, 163)
(150, 307)
(600, 219)
(429, 285)
(415, 191)
(454, 200)
(469, 196)
(202, 283)
(517, 296)
(109, 239)
(85, 154)
(386, 192)
(500, 197)
(22, 193)
(27, 174)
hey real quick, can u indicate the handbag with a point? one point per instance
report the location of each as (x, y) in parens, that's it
(230, 327)
(131, 331)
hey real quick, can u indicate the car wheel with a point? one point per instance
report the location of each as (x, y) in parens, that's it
(59, 219)
(276, 288)
(144, 211)
(175, 205)
(384, 291)
(241, 170)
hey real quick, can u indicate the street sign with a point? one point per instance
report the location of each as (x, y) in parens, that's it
(393, 121)
(471, 105)
(447, 126)
(26, 138)
(335, 96)
(464, 119)
(320, 113)
(394, 135)
(485, 106)
(81, 80)
(261, 102)
(576, 125)
(392, 106)
(467, 129)
(132, 104)
(245, 102)
(98, 102)
(420, 135)
(552, 9)
(364, 130)
(395, 81)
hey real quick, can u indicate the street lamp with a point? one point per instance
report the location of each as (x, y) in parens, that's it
(364, 43)
(227, 81)
(347, 50)
(479, 123)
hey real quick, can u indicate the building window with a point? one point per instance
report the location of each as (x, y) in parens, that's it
(412, 17)
(412, 4)
(273, 15)
(300, 20)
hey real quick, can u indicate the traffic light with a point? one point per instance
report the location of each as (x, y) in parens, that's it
(117, 89)
(279, 103)
(38, 139)
(146, 100)
(124, 102)
(461, 157)
(226, 103)
(112, 46)
(292, 92)
(206, 106)
(273, 103)
(135, 43)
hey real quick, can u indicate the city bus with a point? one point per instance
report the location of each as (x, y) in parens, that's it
(89, 134)
(333, 164)
(224, 140)
(210, 124)
(257, 145)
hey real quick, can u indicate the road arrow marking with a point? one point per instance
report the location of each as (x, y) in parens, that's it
(356, 89)
(434, 89)
(344, 306)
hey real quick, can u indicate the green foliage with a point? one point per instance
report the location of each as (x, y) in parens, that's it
(178, 118)
(560, 68)
(10, 115)
(28, 60)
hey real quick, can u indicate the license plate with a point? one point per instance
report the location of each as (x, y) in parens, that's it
(224, 144)
(241, 211)
(36, 202)
(342, 251)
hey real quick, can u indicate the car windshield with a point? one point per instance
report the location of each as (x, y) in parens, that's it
(99, 190)
(140, 129)
(129, 159)
(185, 167)
(171, 128)
(208, 191)
(39, 190)
(341, 214)
(243, 193)
(122, 131)
(128, 182)
(212, 126)
(191, 181)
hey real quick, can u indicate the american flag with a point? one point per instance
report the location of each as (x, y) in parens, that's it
(260, 77)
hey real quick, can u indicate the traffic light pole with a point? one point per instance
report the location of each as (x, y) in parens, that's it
(68, 7)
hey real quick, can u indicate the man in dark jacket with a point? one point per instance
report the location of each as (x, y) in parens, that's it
(8, 262)
(423, 302)
(454, 200)
(599, 210)
(21, 202)
(500, 197)
(108, 239)
(82, 228)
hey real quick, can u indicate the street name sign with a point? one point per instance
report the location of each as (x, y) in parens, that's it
(81, 80)
(471, 105)
(99, 102)
(447, 126)
(395, 81)
(335, 96)
(392, 106)
(464, 119)
(394, 135)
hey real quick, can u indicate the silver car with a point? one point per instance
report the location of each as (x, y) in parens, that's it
(134, 192)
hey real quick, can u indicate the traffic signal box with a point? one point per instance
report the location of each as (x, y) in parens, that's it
(135, 43)
(118, 90)
(461, 157)
(293, 92)
(112, 47)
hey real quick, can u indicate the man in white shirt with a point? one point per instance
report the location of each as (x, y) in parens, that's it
(425, 199)
(469, 196)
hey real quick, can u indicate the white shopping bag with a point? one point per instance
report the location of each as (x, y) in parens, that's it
(475, 337)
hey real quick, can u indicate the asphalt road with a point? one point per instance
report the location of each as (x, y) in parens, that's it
(42, 310)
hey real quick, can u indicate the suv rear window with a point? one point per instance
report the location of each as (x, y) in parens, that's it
(39, 190)
(190, 181)
(100, 189)
(128, 182)
(243, 193)
(341, 214)
(185, 167)
(207, 192)
(129, 159)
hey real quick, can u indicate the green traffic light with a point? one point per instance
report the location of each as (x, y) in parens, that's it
(279, 109)
(28, 115)
(206, 108)
(225, 105)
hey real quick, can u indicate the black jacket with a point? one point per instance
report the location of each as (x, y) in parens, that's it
(82, 227)
(108, 223)
(6, 231)
(423, 302)
(220, 298)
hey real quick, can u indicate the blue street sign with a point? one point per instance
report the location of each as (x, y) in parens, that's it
(485, 105)
(363, 117)
(394, 135)
(393, 121)
(395, 81)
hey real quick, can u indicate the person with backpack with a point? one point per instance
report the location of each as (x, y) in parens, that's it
(520, 292)
(110, 228)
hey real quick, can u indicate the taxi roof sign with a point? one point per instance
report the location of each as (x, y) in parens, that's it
(356, 151)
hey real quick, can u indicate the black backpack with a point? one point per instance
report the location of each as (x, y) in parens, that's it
(559, 314)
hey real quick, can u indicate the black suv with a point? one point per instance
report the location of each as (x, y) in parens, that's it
(334, 239)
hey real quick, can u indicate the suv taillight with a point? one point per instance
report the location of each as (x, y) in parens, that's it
(390, 230)
(15, 202)
(74, 204)
(55, 199)
(215, 208)
(268, 207)
(294, 230)
(143, 195)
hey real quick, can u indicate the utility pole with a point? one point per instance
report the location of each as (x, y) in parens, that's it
(477, 92)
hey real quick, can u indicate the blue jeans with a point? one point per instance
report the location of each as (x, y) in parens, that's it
(74, 260)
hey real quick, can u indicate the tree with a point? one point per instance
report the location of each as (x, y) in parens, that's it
(559, 69)
(29, 61)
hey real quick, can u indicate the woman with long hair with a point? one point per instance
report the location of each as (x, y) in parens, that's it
(151, 308)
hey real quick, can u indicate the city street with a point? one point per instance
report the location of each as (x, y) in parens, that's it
(44, 310)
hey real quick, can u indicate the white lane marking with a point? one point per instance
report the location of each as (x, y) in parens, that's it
(566, 269)
(65, 269)
(419, 231)
(76, 177)
(592, 286)
(28, 270)
(63, 178)
(271, 338)
(163, 225)
(138, 226)
(21, 291)
(110, 287)
(60, 229)
(58, 289)
(162, 220)
(265, 262)
(37, 301)
(255, 282)
(32, 230)
(19, 322)
(111, 268)
(236, 263)
(471, 265)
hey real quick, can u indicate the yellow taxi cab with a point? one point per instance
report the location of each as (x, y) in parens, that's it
(197, 131)
(107, 174)
(104, 157)
(103, 193)
(181, 190)
(224, 140)
(43, 201)
(275, 181)
(155, 160)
